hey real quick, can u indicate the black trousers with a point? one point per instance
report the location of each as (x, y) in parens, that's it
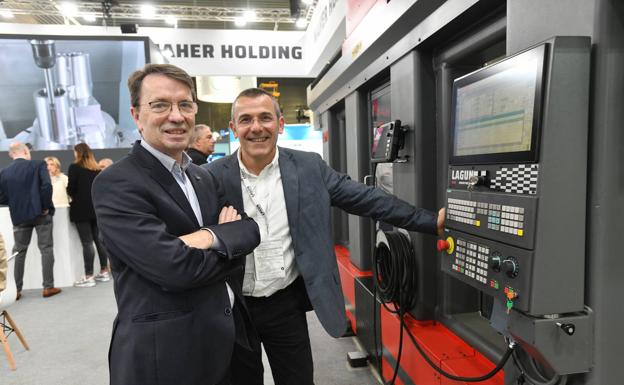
(280, 321)
(89, 234)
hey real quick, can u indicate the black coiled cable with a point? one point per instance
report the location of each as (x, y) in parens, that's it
(396, 272)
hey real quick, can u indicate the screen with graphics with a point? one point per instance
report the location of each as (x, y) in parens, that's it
(56, 91)
(496, 110)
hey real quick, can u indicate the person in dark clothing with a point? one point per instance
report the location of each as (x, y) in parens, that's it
(173, 242)
(25, 187)
(202, 144)
(81, 175)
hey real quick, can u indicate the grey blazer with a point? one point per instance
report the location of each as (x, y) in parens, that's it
(311, 187)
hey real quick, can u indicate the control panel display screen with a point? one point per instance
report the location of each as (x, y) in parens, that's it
(380, 103)
(496, 111)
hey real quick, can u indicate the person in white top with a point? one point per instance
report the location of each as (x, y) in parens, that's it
(59, 182)
(290, 194)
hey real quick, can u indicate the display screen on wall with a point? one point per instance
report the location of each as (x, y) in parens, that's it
(496, 111)
(59, 91)
(380, 105)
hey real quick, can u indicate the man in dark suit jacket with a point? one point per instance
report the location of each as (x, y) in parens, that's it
(202, 144)
(295, 265)
(26, 188)
(173, 243)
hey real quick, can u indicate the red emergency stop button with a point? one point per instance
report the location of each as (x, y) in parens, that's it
(447, 245)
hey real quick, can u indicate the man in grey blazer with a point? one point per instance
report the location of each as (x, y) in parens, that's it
(294, 269)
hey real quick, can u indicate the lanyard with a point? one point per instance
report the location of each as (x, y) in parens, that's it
(252, 197)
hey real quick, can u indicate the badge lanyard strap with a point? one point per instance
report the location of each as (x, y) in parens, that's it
(252, 196)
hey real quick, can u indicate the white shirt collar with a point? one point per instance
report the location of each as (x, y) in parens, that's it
(165, 159)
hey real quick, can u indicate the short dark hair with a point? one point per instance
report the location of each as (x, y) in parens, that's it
(135, 81)
(256, 93)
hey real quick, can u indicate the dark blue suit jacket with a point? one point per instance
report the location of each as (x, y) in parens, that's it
(26, 188)
(311, 187)
(175, 324)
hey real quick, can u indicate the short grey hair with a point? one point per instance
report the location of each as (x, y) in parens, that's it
(199, 128)
(16, 148)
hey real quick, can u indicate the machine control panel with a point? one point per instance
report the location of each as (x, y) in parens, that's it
(515, 195)
(501, 216)
(490, 266)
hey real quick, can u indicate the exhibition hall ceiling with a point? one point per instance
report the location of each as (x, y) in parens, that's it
(280, 15)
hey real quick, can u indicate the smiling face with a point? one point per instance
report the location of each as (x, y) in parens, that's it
(257, 127)
(169, 132)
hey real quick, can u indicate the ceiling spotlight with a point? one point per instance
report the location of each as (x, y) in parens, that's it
(171, 21)
(6, 13)
(250, 15)
(69, 9)
(240, 21)
(301, 22)
(89, 17)
(148, 11)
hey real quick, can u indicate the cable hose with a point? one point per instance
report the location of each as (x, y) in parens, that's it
(396, 272)
(396, 281)
(395, 277)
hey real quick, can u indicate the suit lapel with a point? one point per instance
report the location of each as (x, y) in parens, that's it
(232, 182)
(290, 184)
(164, 178)
(199, 185)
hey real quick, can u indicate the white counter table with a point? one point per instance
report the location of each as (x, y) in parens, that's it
(68, 262)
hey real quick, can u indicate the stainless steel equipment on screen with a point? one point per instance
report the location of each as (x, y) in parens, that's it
(55, 119)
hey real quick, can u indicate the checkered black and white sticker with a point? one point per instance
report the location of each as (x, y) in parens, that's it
(520, 179)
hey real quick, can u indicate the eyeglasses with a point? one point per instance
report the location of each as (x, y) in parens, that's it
(186, 107)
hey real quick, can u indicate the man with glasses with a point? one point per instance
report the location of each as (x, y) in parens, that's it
(173, 243)
(294, 269)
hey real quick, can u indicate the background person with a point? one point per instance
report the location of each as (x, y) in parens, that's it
(25, 187)
(294, 270)
(81, 175)
(59, 182)
(202, 144)
(105, 162)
